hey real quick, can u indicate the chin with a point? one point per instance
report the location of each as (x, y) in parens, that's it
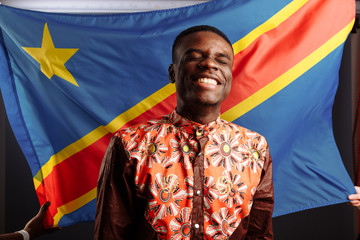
(209, 103)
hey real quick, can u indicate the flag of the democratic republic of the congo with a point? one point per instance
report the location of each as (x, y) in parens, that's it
(70, 81)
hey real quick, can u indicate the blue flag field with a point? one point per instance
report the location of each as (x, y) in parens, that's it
(70, 81)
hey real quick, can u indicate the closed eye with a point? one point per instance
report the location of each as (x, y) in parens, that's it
(223, 59)
(193, 55)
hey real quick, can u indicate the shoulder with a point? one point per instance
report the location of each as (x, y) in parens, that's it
(140, 129)
(245, 132)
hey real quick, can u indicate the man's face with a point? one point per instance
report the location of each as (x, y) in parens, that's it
(202, 69)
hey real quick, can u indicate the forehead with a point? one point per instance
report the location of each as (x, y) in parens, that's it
(203, 39)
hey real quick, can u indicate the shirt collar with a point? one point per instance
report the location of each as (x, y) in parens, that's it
(187, 124)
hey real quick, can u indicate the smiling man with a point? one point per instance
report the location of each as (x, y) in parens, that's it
(202, 72)
(189, 174)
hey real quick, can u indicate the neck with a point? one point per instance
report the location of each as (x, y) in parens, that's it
(202, 115)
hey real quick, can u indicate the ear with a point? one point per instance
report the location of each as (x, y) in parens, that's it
(171, 73)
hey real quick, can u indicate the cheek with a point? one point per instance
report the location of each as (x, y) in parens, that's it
(181, 72)
(227, 90)
(228, 76)
(228, 84)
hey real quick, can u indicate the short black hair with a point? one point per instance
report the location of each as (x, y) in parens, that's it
(194, 29)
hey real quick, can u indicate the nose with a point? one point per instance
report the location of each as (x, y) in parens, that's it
(208, 63)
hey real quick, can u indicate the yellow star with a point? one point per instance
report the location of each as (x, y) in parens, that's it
(52, 59)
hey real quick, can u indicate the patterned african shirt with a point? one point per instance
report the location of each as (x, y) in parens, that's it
(172, 178)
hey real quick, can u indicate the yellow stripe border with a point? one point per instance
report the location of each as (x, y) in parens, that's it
(270, 24)
(74, 205)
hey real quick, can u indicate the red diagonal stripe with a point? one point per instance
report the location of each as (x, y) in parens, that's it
(278, 50)
(69, 181)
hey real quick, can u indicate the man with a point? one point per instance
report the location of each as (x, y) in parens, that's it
(188, 175)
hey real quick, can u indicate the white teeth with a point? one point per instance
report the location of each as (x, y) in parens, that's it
(207, 81)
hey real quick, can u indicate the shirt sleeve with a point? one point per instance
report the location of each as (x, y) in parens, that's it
(119, 211)
(260, 218)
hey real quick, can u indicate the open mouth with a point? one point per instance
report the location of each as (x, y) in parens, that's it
(208, 81)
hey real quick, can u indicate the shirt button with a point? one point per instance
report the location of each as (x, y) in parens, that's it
(198, 192)
(196, 226)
